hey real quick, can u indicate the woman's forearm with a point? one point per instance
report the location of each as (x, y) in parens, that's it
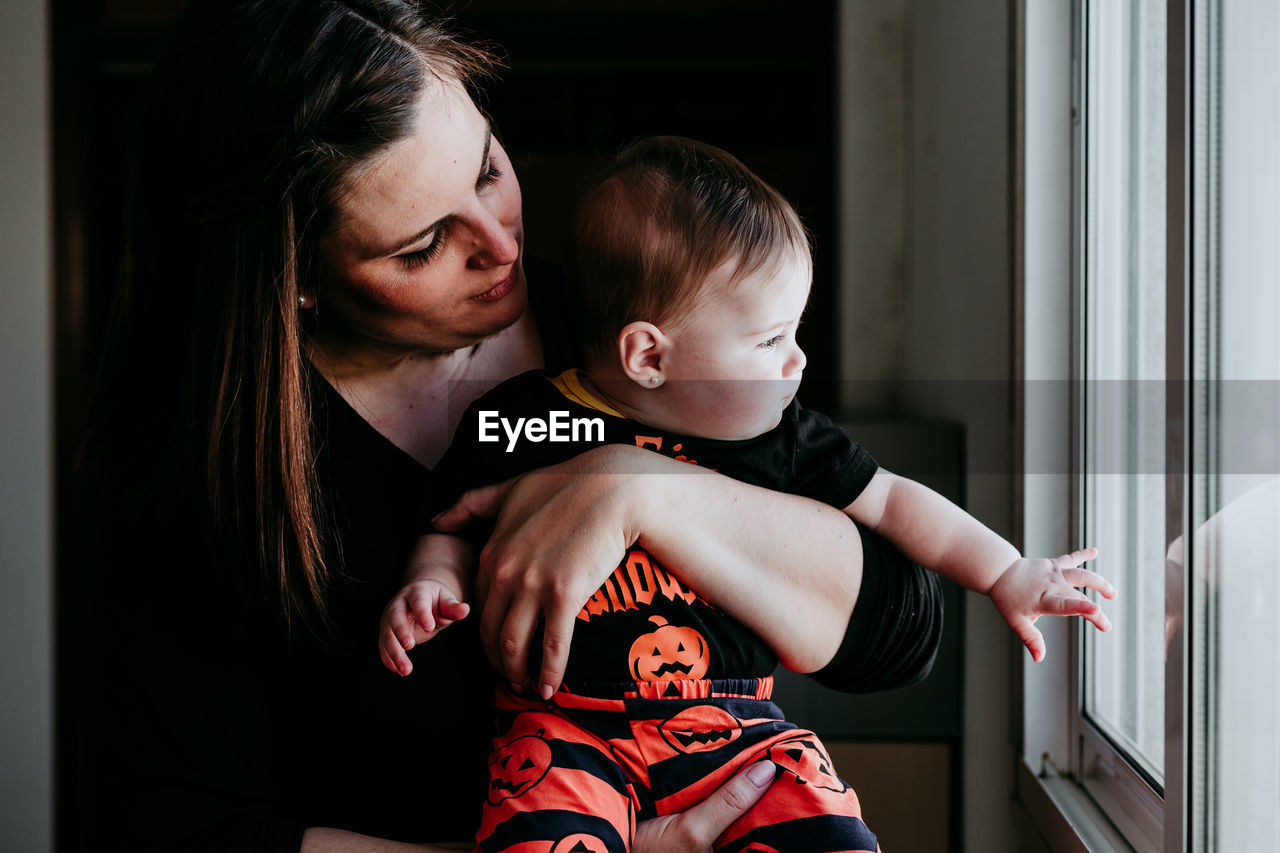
(788, 567)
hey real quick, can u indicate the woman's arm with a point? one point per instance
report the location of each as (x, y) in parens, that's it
(789, 568)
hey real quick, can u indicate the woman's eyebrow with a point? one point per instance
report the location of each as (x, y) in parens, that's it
(444, 220)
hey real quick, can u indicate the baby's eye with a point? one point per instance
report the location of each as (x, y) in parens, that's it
(772, 342)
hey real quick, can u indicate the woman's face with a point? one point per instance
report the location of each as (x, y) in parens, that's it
(426, 252)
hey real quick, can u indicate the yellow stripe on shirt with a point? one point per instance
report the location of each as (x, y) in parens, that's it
(570, 385)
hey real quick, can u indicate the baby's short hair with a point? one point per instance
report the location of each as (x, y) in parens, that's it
(649, 232)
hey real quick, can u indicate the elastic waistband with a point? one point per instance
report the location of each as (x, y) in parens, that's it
(582, 695)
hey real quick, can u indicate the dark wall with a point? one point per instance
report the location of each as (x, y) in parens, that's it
(757, 79)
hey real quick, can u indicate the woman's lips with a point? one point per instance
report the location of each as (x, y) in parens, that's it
(500, 289)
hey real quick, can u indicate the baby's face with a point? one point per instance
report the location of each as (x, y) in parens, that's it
(734, 364)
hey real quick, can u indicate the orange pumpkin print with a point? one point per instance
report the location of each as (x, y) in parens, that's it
(518, 766)
(700, 728)
(580, 843)
(805, 759)
(669, 653)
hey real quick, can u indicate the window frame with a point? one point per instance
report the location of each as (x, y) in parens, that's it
(1078, 789)
(1132, 801)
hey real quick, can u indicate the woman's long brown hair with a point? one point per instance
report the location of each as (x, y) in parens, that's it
(259, 118)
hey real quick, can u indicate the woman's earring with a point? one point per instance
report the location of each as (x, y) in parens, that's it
(655, 381)
(302, 300)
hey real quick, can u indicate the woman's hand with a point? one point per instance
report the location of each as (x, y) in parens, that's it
(694, 831)
(560, 533)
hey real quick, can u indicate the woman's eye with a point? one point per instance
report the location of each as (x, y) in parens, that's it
(772, 342)
(413, 260)
(490, 175)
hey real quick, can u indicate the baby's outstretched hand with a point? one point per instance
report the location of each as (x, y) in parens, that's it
(419, 611)
(1031, 588)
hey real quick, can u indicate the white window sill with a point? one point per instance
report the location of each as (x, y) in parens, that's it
(1066, 818)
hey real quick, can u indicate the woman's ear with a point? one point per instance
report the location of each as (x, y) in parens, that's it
(642, 350)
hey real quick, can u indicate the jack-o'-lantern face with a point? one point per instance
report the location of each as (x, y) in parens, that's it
(701, 728)
(805, 759)
(580, 843)
(670, 652)
(518, 766)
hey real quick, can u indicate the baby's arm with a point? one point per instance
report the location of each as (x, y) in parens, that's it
(940, 536)
(439, 572)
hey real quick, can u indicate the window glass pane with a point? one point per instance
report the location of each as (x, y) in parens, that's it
(1124, 358)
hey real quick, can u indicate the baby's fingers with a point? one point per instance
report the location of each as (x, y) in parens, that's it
(392, 653)
(1077, 605)
(421, 606)
(1090, 579)
(1099, 619)
(1073, 604)
(1075, 558)
(387, 660)
(397, 620)
(451, 611)
(1030, 636)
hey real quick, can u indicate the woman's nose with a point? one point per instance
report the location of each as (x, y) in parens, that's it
(492, 244)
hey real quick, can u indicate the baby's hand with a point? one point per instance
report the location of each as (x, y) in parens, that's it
(419, 611)
(1031, 588)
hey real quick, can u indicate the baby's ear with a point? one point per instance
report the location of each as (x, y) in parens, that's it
(641, 350)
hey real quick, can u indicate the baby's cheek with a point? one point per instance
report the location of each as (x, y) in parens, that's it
(747, 407)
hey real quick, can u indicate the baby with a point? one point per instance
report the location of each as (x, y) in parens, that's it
(690, 275)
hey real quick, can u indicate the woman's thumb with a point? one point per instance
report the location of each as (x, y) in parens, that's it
(483, 502)
(712, 817)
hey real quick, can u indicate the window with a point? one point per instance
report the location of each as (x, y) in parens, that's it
(1151, 417)
(1122, 344)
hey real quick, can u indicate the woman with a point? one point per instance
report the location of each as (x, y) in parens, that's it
(324, 268)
